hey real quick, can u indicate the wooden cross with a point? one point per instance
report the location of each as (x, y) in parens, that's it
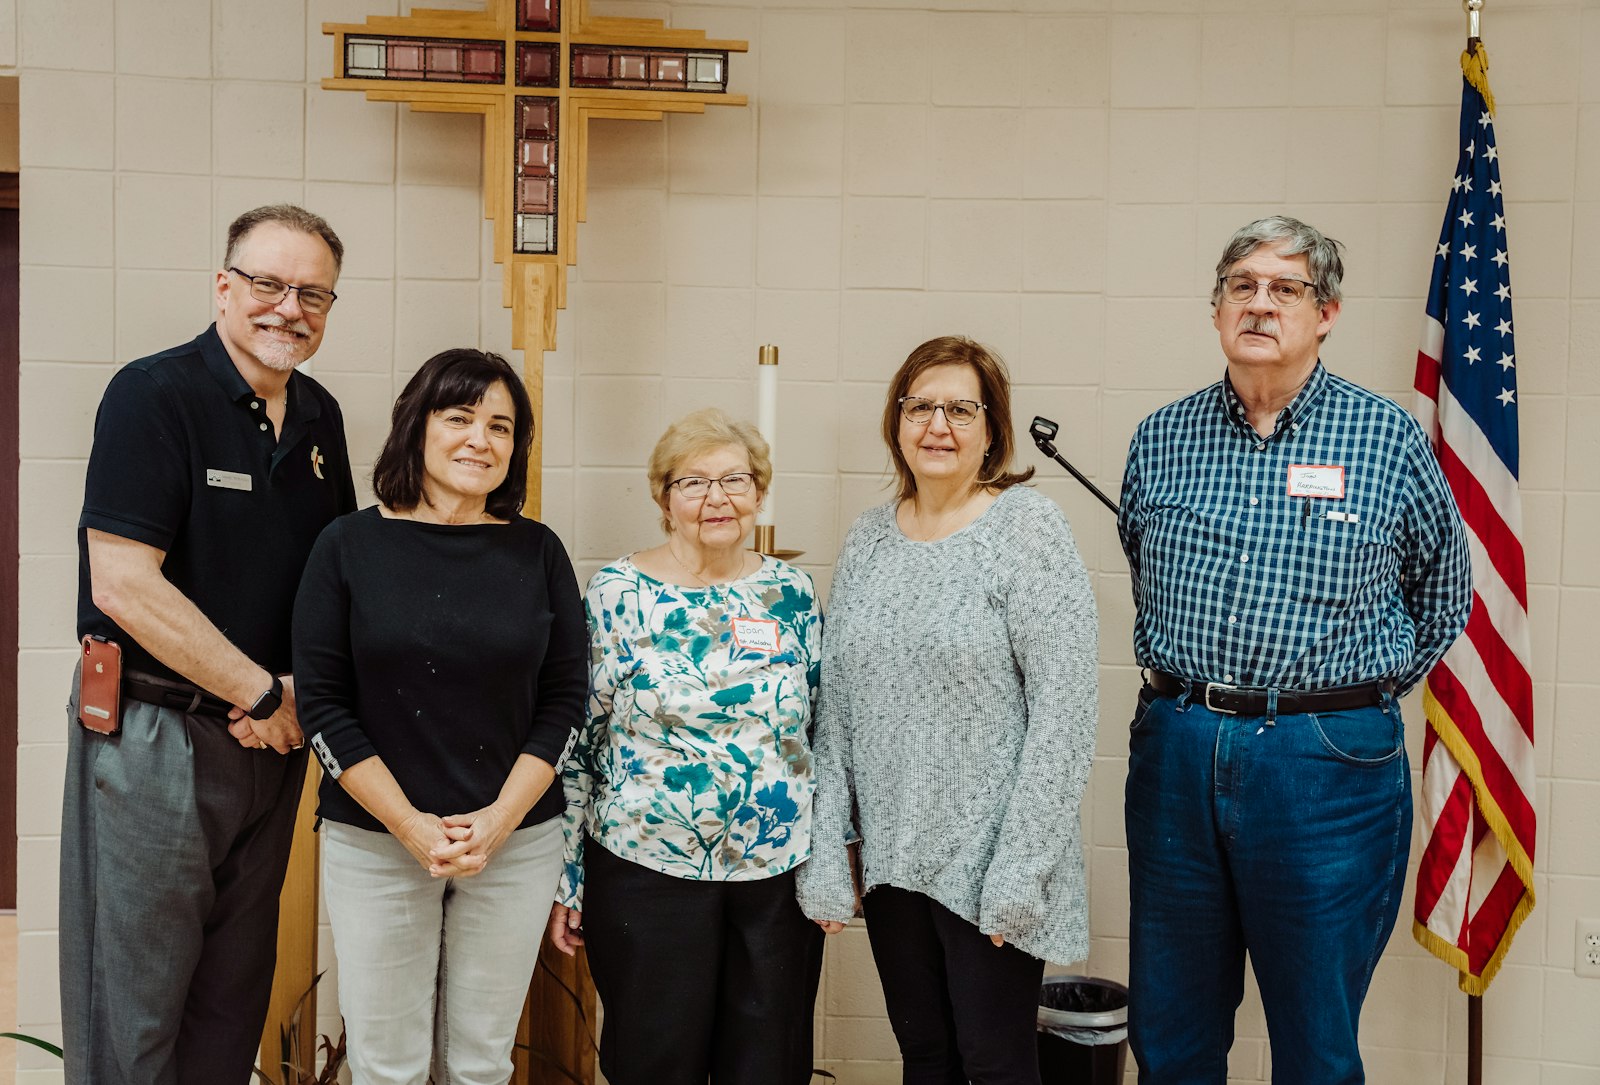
(538, 71)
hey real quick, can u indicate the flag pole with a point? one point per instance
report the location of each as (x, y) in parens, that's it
(1474, 1002)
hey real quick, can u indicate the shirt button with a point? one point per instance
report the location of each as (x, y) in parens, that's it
(1227, 678)
(1262, 447)
(1242, 557)
(1255, 501)
(263, 425)
(255, 404)
(1233, 619)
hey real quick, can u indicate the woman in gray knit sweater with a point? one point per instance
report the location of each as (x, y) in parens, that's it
(955, 726)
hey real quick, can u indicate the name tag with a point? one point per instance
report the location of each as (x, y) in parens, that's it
(1315, 480)
(227, 480)
(1344, 517)
(756, 634)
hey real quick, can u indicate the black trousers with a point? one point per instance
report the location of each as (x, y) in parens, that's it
(699, 979)
(962, 1009)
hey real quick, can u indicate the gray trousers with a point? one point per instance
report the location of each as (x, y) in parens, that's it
(174, 842)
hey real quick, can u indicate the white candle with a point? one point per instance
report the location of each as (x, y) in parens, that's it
(767, 421)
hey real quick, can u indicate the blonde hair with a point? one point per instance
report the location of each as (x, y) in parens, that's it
(698, 432)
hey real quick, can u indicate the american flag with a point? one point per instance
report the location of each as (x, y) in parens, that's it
(1475, 882)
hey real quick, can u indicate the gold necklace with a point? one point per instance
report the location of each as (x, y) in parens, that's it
(703, 583)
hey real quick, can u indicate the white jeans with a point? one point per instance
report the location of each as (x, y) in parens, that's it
(433, 971)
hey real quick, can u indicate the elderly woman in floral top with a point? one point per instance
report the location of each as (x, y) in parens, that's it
(689, 790)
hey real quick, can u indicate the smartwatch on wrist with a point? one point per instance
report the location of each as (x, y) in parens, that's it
(268, 702)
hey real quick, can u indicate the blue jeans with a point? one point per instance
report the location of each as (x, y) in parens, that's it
(1285, 839)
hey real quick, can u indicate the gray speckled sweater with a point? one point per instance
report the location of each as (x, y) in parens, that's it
(957, 714)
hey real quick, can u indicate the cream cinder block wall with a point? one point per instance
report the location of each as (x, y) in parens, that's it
(1053, 177)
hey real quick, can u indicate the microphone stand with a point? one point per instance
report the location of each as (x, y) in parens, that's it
(1043, 432)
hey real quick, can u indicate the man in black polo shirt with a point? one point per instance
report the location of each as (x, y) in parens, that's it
(215, 465)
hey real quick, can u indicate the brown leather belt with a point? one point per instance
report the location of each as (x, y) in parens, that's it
(1250, 701)
(188, 699)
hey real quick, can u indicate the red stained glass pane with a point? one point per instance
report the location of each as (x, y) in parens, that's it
(667, 69)
(405, 60)
(537, 120)
(591, 65)
(537, 156)
(536, 65)
(536, 195)
(444, 60)
(482, 60)
(538, 15)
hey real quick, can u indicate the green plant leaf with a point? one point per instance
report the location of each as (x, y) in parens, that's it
(34, 1040)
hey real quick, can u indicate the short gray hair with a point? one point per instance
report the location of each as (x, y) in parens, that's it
(287, 215)
(1322, 253)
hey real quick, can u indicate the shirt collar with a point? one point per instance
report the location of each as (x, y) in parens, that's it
(1294, 415)
(300, 409)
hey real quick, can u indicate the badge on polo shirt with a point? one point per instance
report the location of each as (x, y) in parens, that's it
(317, 460)
(756, 634)
(1315, 480)
(228, 480)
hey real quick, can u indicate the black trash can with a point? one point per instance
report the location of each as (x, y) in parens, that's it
(1083, 1031)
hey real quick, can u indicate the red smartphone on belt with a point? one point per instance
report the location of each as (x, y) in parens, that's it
(100, 685)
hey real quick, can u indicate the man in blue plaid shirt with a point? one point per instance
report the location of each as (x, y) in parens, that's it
(1297, 563)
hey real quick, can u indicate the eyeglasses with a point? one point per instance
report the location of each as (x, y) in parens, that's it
(694, 487)
(957, 412)
(1241, 290)
(313, 299)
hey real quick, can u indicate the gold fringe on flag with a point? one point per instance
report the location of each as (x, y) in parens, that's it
(1475, 66)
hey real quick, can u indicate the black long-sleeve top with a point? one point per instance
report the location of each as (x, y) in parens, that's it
(448, 651)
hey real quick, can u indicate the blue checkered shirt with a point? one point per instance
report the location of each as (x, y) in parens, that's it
(1236, 581)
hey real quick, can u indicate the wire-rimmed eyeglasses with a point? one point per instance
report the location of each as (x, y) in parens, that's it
(694, 487)
(313, 299)
(1241, 290)
(957, 412)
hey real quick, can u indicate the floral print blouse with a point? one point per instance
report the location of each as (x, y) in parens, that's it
(695, 760)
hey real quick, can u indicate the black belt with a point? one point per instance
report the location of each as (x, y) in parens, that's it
(1247, 701)
(191, 700)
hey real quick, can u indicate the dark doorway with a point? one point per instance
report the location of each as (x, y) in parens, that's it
(8, 539)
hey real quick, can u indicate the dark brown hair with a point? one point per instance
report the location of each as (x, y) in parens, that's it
(994, 385)
(452, 378)
(288, 215)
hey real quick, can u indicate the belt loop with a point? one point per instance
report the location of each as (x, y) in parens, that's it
(1182, 703)
(194, 703)
(1272, 707)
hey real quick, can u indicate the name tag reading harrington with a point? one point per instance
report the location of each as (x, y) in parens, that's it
(227, 480)
(756, 634)
(1315, 480)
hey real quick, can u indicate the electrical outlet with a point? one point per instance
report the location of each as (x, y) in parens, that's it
(1587, 961)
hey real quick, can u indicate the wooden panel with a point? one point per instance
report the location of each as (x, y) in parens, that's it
(297, 940)
(557, 1034)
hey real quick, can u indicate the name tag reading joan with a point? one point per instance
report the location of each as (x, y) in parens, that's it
(1315, 480)
(227, 480)
(756, 634)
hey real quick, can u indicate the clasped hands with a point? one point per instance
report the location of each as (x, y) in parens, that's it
(280, 731)
(456, 846)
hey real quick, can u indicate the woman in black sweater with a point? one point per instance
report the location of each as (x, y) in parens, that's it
(440, 667)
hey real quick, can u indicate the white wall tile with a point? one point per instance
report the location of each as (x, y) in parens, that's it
(251, 41)
(66, 34)
(147, 239)
(887, 150)
(1153, 155)
(797, 242)
(1353, 173)
(1064, 153)
(163, 125)
(1155, 61)
(258, 130)
(436, 230)
(975, 153)
(1062, 245)
(801, 150)
(974, 58)
(1416, 34)
(170, 38)
(1067, 61)
(804, 324)
(350, 139)
(69, 315)
(1341, 50)
(431, 316)
(886, 56)
(52, 492)
(974, 245)
(65, 120)
(709, 332)
(630, 248)
(714, 153)
(800, 57)
(885, 242)
(710, 240)
(159, 309)
(438, 148)
(69, 219)
(1537, 145)
(1242, 54)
